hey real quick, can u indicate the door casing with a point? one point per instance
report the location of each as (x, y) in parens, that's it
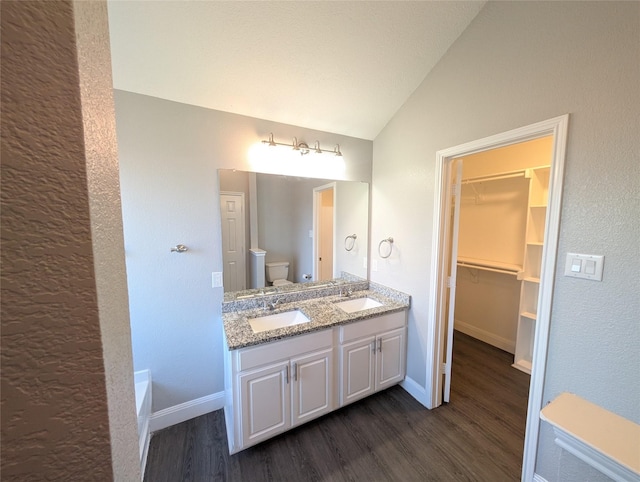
(317, 228)
(556, 127)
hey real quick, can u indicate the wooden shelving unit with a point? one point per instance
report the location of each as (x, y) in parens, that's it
(530, 275)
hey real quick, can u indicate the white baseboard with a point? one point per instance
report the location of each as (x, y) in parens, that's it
(145, 440)
(416, 390)
(486, 336)
(143, 392)
(538, 478)
(186, 411)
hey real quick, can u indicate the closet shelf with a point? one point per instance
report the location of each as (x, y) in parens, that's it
(529, 289)
(495, 177)
(530, 279)
(488, 265)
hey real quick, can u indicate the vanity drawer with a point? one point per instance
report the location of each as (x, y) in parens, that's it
(372, 326)
(255, 356)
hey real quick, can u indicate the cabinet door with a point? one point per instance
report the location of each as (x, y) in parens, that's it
(311, 387)
(357, 361)
(390, 358)
(265, 403)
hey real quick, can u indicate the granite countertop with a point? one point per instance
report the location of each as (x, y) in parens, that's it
(321, 312)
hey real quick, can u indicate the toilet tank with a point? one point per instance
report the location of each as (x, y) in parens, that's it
(277, 270)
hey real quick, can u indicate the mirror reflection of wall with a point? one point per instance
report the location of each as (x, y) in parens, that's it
(278, 219)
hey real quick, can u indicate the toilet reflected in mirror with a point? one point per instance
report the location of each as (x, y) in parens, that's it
(277, 273)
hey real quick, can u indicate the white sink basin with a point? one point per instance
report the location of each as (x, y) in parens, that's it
(358, 304)
(278, 320)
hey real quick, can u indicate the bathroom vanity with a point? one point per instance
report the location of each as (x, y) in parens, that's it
(294, 356)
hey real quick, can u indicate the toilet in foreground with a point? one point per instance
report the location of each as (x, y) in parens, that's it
(277, 273)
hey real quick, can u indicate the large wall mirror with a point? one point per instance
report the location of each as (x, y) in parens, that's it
(319, 226)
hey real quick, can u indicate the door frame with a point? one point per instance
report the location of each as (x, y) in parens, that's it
(451, 249)
(317, 193)
(556, 127)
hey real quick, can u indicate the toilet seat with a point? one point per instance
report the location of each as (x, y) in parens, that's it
(281, 282)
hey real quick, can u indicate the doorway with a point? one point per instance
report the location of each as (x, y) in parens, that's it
(233, 240)
(323, 229)
(442, 268)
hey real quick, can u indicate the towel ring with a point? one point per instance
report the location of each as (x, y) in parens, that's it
(179, 248)
(388, 240)
(353, 242)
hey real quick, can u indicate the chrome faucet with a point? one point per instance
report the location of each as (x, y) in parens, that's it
(272, 304)
(346, 293)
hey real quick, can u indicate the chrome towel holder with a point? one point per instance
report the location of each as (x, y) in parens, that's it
(179, 248)
(390, 242)
(351, 237)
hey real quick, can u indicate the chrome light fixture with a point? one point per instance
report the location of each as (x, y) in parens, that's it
(303, 147)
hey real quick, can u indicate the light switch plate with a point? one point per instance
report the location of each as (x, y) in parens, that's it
(216, 279)
(587, 266)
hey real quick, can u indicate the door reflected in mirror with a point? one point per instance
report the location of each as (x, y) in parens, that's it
(308, 223)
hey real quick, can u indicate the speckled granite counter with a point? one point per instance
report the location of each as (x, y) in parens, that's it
(321, 312)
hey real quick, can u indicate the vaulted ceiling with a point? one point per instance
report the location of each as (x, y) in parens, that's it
(336, 66)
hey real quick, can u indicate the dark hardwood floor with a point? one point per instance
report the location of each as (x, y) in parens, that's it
(389, 436)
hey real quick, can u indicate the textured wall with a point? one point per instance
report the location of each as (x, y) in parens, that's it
(169, 157)
(103, 178)
(516, 64)
(55, 423)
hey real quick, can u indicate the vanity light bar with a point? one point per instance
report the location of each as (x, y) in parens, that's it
(303, 147)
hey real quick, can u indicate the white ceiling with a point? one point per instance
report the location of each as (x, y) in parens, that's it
(342, 67)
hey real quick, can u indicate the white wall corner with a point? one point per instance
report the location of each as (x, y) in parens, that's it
(186, 411)
(417, 391)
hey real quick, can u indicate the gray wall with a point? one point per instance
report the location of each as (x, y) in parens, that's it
(516, 64)
(352, 217)
(169, 157)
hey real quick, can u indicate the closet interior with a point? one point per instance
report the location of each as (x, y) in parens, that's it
(503, 201)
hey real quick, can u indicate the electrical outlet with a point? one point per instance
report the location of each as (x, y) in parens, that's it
(216, 279)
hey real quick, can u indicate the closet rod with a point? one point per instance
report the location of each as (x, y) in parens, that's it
(513, 272)
(494, 177)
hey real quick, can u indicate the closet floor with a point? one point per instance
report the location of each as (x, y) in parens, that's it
(389, 436)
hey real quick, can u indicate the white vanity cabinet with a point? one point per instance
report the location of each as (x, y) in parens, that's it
(372, 355)
(264, 403)
(312, 386)
(277, 386)
(272, 387)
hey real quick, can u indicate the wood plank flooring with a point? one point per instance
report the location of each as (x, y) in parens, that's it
(389, 436)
